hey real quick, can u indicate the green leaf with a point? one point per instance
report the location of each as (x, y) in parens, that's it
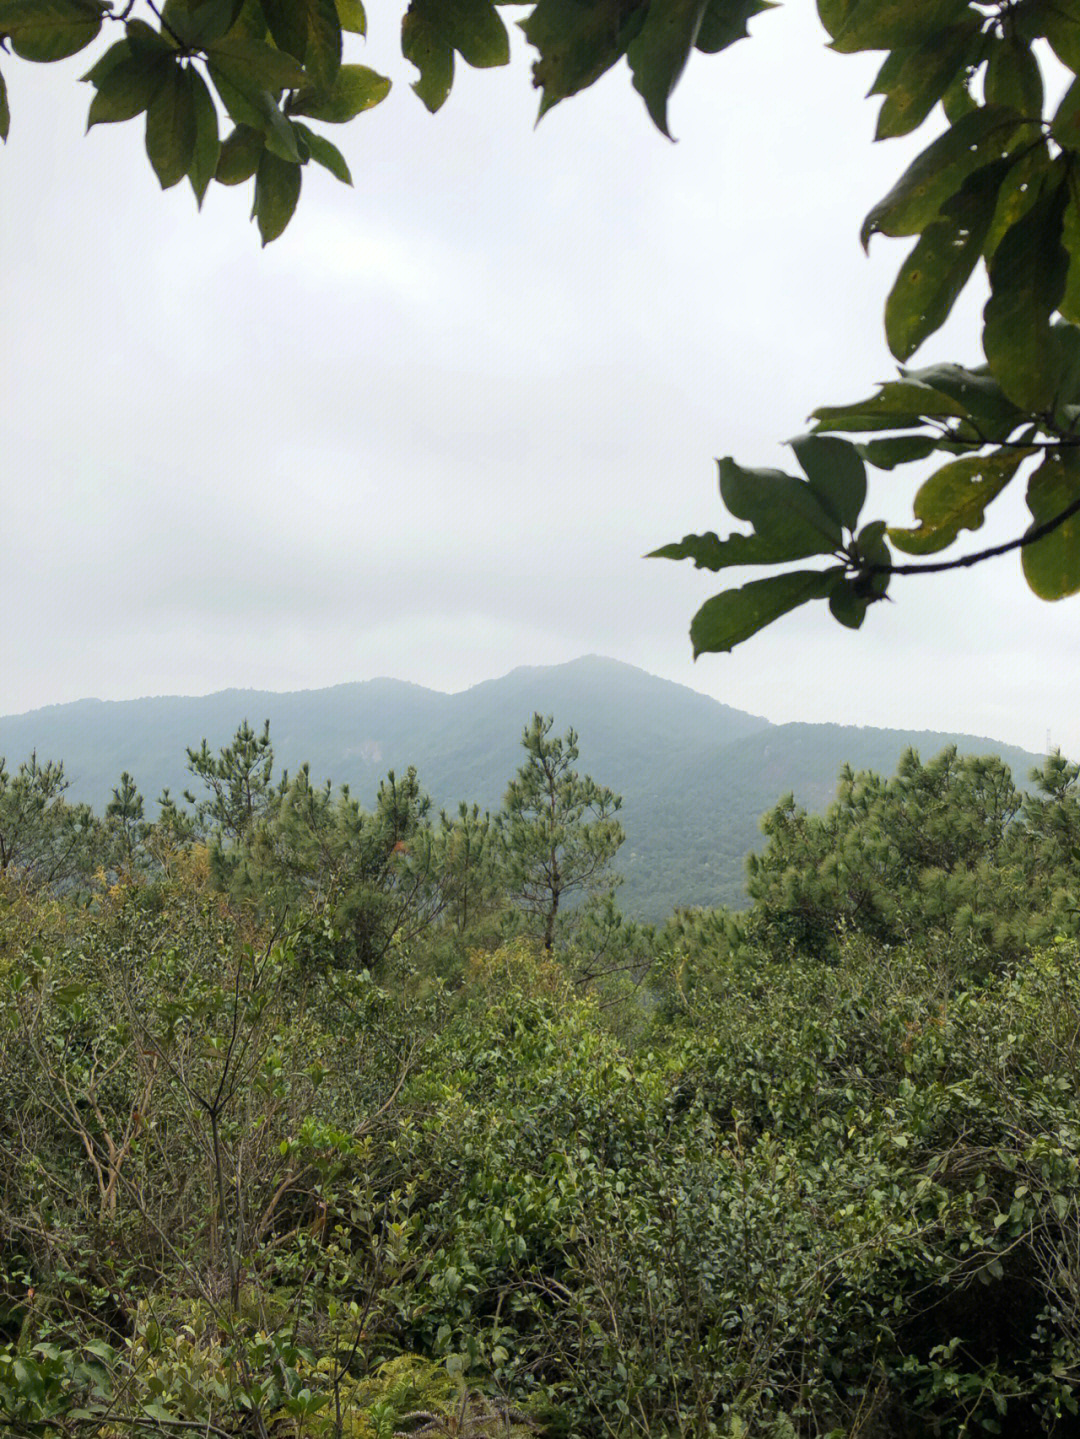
(325, 154)
(659, 52)
(1013, 77)
(578, 41)
(914, 80)
(1027, 280)
(979, 395)
(352, 17)
(433, 29)
(778, 504)
(240, 155)
(199, 23)
(1026, 180)
(323, 57)
(725, 22)
(148, 42)
(287, 21)
(277, 190)
(356, 89)
(898, 405)
(207, 151)
(249, 105)
(128, 87)
(916, 199)
(729, 618)
(898, 450)
(955, 498)
(1069, 304)
(836, 475)
(67, 994)
(709, 552)
(893, 24)
(46, 30)
(958, 101)
(262, 66)
(170, 127)
(5, 112)
(941, 264)
(1062, 30)
(107, 62)
(847, 604)
(1052, 564)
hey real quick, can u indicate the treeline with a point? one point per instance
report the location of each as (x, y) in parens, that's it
(808, 1170)
(540, 866)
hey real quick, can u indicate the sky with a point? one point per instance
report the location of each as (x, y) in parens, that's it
(432, 431)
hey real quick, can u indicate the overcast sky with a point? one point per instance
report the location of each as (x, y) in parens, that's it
(431, 431)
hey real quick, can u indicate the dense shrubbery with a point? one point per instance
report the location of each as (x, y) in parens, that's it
(809, 1171)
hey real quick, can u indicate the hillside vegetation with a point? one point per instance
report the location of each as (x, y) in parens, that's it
(695, 775)
(317, 1122)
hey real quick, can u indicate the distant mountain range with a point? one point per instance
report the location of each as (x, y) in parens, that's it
(695, 775)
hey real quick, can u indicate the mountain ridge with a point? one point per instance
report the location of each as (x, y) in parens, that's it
(695, 774)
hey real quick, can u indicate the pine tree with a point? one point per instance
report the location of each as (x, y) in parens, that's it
(558, 828)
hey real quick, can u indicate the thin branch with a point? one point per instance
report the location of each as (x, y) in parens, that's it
(1038, 532)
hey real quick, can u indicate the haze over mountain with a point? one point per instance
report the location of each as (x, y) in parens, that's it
(695, 775)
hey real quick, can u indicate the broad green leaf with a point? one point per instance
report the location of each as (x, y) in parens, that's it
(199, 23)
(578, 41)
(778, 504)
(958, 101)
(710, 552)
(729, 618)
(955, 498)
(207, 152)
(725, 21)
(892, 24)
(277, 190)
(836, 475)
(941, 264)
(67, 994)
(1062, 29)
(356, 89)
(984, 405)
(1052, 564)
(1065, 339)
(352, 17)
(871, 547)
(1069, 304)
(834, 14)
(847, 604)
(1027, 280)
(127, 88)
(898, 450)
(148, 42)
(660, 50)
(914, 80)
(240, 155)
(916, 199)
(46, 30)
(288, 24)
(170, 127)
(325, 154)
(107, 62)
(5, 112)
(433, 30)
(255, 107)
(898, 405)
(322, 60)
(1021, 188)
(1013, 77)
(262, 66)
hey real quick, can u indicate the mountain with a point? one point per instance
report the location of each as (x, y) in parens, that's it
(695, 775)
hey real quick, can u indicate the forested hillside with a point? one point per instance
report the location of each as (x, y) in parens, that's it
(695, 775)
(320, 1121)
